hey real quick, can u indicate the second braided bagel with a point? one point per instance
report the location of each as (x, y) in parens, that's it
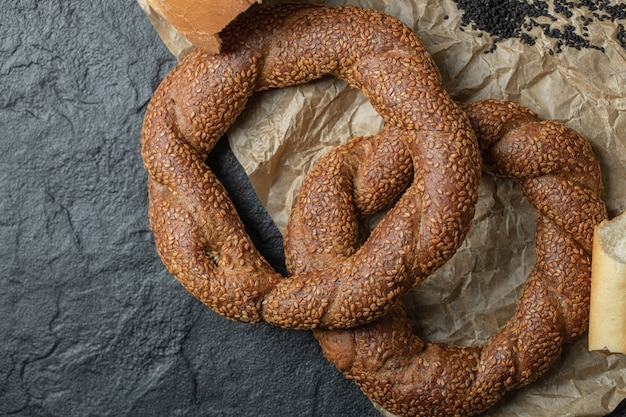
(560, 177)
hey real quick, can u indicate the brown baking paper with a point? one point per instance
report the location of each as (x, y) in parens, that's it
(283, 132)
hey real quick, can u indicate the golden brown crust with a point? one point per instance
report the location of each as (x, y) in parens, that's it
(560, 176)
(200, 21)
(607, 311)
(197, 231)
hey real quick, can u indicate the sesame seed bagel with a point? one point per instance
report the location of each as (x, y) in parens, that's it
(197, 231)
(560, 176)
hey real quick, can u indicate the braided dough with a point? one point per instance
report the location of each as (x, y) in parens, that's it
(198, 233)
(560, 177)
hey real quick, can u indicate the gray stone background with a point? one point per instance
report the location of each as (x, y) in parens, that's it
(91, 324)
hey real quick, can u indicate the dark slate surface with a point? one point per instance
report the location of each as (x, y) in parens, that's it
(90, 322)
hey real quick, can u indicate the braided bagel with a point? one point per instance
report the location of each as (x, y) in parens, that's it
(197, 231)
(560, 176)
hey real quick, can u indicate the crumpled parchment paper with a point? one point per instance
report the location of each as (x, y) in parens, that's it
(283, 132)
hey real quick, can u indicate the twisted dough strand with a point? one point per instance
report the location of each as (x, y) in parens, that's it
(202, 240)
(561, 178)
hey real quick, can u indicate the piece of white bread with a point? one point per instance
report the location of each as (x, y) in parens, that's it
(200, 21)
(607, 315)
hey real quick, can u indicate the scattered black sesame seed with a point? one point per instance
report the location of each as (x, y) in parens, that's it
(621, 36)
(527, 20)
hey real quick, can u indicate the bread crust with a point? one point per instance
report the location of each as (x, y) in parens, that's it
(200, 21)
(607, 317)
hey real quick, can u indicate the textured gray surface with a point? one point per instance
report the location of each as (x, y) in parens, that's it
(91, 323)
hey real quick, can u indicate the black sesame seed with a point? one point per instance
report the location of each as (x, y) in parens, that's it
(621, 36)
(506, 19)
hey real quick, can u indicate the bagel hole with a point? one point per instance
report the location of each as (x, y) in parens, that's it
(368, 223)
(299, 125)
(475, 293)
